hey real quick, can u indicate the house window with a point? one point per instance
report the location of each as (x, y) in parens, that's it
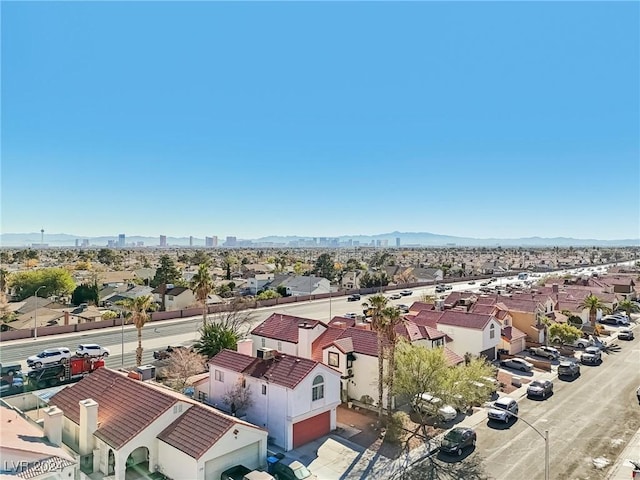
(177, 408)
(264, 389)
(318, 388)
(219, 375)
(279, 346)
(492, 331)
(264, 342)
(202, 396)
(334, 359)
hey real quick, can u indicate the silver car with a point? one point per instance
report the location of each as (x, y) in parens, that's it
(503, 409)
(49, 357)
(517, 364)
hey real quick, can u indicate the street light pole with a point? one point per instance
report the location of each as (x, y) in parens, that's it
(121, 339)
(35, 315)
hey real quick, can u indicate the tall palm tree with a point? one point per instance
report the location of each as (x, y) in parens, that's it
(202, 286)
(139, 308)
(628, 307)
(376, 305)
(593, 304)
(391, 319)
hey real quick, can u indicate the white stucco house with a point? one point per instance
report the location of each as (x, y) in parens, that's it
(475, 333)
(293, 398)
(118, 424)
(287, 334)
(176, 298)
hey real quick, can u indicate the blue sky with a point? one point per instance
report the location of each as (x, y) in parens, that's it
(321, 119)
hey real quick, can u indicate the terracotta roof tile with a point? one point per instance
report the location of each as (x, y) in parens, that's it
(325, 339)
(345, 345)
(285, 370)
(283, 327)
(196, 431)
(123, 404)
(512, 333)
(462, 319)
(452, 357)
(419, 306)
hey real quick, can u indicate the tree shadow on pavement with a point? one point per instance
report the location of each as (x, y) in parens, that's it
(434, 468)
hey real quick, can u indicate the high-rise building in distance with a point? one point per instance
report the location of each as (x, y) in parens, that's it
(121, 240)
(215, 241)
(231, 242)
(163, 240)
(208, 242)
(397, 241)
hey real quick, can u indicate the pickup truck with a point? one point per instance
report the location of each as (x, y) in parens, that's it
(240, 472)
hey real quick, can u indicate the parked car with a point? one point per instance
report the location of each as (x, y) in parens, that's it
(540, 388)
(395, 296)
(568, 369)
(240, 472)
(10, 369)
(547, 352)
(579, 343)
(492, 383)
(517, 364)
(406, 293)
(92, 350)
(625, 334)
(425, 403)
(49, 357)
(591, 355)
(611, 320)
(291, 470)
(353, 298)
(457, 439)
(503, 409)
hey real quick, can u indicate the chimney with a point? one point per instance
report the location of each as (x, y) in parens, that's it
(362, 326)
(88, 425)
(245, 347)
(53, 425)
(554, 288)
(66, 318)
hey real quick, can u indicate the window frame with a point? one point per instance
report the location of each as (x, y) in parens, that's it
(334, 359)
(317, 388)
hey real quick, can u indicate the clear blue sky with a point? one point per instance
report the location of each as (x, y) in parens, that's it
(321, 119)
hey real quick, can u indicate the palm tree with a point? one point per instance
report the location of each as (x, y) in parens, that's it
(593, 304)
(139, 308)
(391, 319)
(628, 307)
(202, 286)
(4, 276)
(376, 305)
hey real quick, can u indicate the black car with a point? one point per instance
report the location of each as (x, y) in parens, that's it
(457, 439)
(568, 369)
(540, 388)
(353, 298)
(287, 470)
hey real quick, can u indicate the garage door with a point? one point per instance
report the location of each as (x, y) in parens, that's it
(311, 428)
(489, 353)
(249, 456)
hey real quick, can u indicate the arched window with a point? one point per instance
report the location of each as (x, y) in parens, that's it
(318, 388)
(492, 331)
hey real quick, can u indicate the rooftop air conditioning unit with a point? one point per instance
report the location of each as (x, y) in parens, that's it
(148, 372)
(265, 353)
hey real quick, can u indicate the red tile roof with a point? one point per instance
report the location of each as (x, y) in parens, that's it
(427, 318)
(283, 327)
(486, 309)
(419, 306)
(196, 431)
(461, 319)
(452, 357)
(285, 370)
(123, 404)
(363, 341)
(512, 333)
(342, 322)
(325, 339)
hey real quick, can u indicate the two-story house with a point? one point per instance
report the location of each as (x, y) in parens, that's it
(287, 334)
(478, 334)
(293, 398)
(176, 298)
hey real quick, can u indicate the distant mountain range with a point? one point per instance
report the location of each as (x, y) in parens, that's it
(406, 239)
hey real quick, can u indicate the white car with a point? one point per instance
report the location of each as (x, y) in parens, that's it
(92, 350)
(517, 364)
(49, 357)
(445, 412)
(503, 409)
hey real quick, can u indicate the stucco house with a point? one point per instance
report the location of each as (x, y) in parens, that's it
(119, 425)
(293, 398)
(287, 334)
(29, 453)
(300, 285)
(176, 298)
(478, 334)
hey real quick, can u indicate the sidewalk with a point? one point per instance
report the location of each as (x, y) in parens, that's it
(622, 468)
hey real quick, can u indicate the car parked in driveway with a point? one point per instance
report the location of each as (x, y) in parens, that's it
(546, 352)
(625, 334)
(291, 470)
(49, 356)
(92, 350)
(540, 388)
(517, 364)
(457, 439)
(503, 409)
(427, 403)
(614, 320)
(568, 369)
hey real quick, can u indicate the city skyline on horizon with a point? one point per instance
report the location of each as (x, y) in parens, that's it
(251, 121)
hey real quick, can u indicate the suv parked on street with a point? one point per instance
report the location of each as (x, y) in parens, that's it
(503, 409)
(568, 369)
(625, 334)
(457, 439)
(92, 350)
(49, 356)
(540, 388)
(591, 355)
